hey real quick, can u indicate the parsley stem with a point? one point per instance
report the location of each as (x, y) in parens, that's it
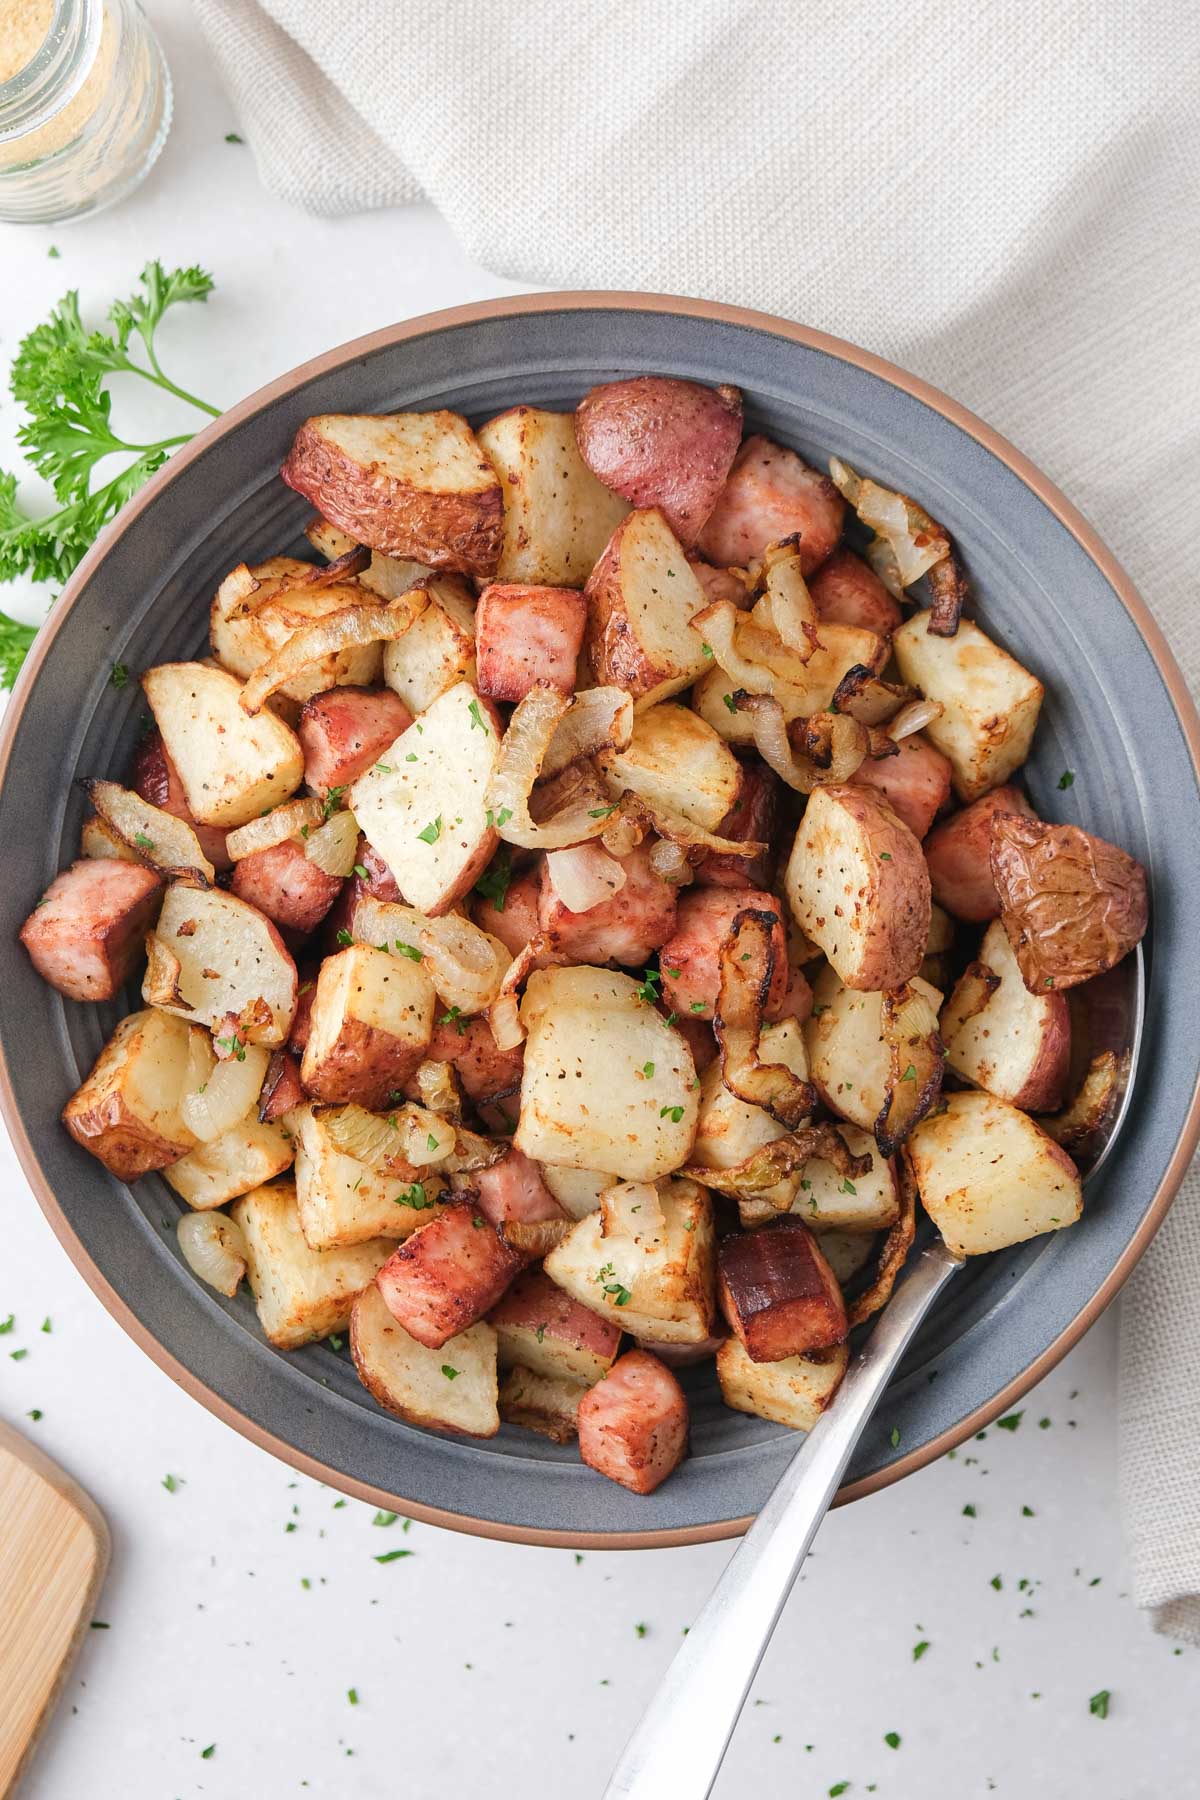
(164, 381)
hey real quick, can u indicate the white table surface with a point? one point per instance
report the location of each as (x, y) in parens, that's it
(242, 1607)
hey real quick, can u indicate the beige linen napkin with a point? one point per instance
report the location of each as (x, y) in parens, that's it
(1002, 195)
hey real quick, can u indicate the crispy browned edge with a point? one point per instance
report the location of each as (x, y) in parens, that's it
(745, 320)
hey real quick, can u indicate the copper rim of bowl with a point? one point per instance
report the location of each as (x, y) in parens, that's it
(1068, 516)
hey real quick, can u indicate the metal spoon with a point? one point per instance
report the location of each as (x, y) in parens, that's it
(678, 1747)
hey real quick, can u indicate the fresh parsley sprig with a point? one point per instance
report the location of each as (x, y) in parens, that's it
(59, 377)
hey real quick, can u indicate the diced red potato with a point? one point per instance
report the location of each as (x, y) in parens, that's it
(282, 1088)
(447, 1275)
(282, 883)
(633, 1424)
(753, 817)
(661, 442)
(517, 921)
(526, 634)
(626, 929)
(720, 584)
(380, 883)
(513, 1189)
(771, 494)
(154, 777)
(482, 1067)
(915, 783)
(847, 591)
(542, 1328)
(690, 959)
(88, 929)
(958, 850)
(778, 1293)
(345, 731)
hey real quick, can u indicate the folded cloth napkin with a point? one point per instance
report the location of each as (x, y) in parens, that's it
(1002, 196)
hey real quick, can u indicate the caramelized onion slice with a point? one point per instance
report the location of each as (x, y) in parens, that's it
(276, 827)
(437, 1088)
(971, 993)
(1089, 1112)
(213, 1248)
(584, 876)
(914, 717)
(466, 965)
(718, 625)
(356, 625)
(786, 606)
(412, 1137)
(917, 542)
(227, 1094)
(784, 1156)
(531, 730)
(333, 847)
(916, 1060)
(235, 592)
(892, 1255)
(747, 966)
(692, 838)
(534, 1237)
(164, 843)
(504, 1014)
(948, 588)
(160, 984)
(866, 698)
(835, 744)
(597, 719)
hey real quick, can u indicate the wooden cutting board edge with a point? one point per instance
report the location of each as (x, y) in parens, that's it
(13, 1443)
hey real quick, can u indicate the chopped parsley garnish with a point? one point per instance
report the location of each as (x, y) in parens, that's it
(1010, 1421)
(640, 1630)
(699, 1005)
(730, 702)
(431, 1143)
(894, 1437)
(910, 1074)
(119, 676)
(885, 856)
(411, 756)
(477, 718)
(233, 1046)
(1066, 779)
(647, 1070)
(707, 650)
(674, 1113)
(847, 1186)
(360, 872)
(1098, 1704)
(17, 1355)
(493, 884)
(172, 1483)
(6, 1325)
(455, 1017)
(385, 1518)
(432, 831)
(996, 1582)
(352, 1696)
(331, 800)
(414, 1196)
(35, 1414)
(386, 768)
(620, 1293)
(409, 950)
(390, 1556)
(647, 989)
(208, 1751)
(139, 837)
(234, 137)
(602, 812)
(449, 1372)
(541, 1332)
(892, 1739)
(968, 1511)
(920, 1649)
(344, 938)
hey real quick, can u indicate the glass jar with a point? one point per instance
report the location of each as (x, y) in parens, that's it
(85, 106)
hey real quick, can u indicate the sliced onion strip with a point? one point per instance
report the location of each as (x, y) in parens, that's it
(160, 984)
(916, 1061)
(784, 1156)
(584, 876)
(345, 630)
(213, 1248)
(227, 1094)
(466, 965)
(276, 827)
(914, 717)
(531, 730)
(892, 1255)
(691, 838)
(156, 838)
(598, 719)
(917, 541)
(786, 605)
(839, 741)
(333, 847)
(866, 698)
(747, 965)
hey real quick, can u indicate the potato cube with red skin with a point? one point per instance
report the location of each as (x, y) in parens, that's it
(447, 1275)
(344, 731)
(282, 1088)
(658, 441)
(526, 634)
(847, 591)
(539, 1327)
(778, 1292)
(625, 929)
(154, 776)
(87, 931)
(770, 494)
(516, 922)
(513, 1189)
(690, 959)
(282, 883)
(633, 1425)
(915, 783)
(753, 818)
(371, 1022)
(380, 883)
(485, 1071)
(958, 852)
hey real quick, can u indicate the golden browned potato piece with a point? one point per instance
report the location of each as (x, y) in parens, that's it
(413, 485)
(1000, 1036)
(411, 1380)
(658, 441)
(642, 596)
(858, 886)
(557, 516)
(127, 1111)
(989, 1177)
(990, 703)
(1072, 904)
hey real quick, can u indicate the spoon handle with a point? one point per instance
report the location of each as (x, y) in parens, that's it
(679, 1744)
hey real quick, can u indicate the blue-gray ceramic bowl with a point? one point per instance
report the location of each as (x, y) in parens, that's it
(1117, 713)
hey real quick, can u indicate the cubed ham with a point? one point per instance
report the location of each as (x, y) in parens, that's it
(958, 850)
(798, 1001)
(87, 931)
(633, 1425)
(282, 883)
(915, 783)
(380, 883)
(516, 921)
(153, 775)
(526, 634)
(697, 1034)
(770, 494)
(847, 591)
(625, 929)
(282, 1088)
(778, 1293)
(447, 1275)
(513, 1189)
(720, 584)
(753, 818)
(344, 731)
(690, 959)
(486, 1072)
(540, 1327)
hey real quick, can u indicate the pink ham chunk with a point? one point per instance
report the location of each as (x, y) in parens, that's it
(513, 1189)
(345, 731)
(284, 885)
(539, 1327)
(720, 584)
(153, 775)
(625, 929)
(526, 634)
(488, 1074)
(633, 1425)
(753, 818)
(771, 494)
(447, 1275)
(88, 930)
(847, 591)
(958, 852)
(516, 921)
(690, 959)
(915, 782)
